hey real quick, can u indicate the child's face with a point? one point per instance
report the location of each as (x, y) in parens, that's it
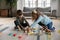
(21, 16)
(35, 16)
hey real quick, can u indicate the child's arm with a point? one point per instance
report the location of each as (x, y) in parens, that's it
(20, 25)
(19, 28)
(37, 21)
(26, 22)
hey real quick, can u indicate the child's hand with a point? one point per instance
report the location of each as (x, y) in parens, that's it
(47, 30)
(28, 29)
(19, 29)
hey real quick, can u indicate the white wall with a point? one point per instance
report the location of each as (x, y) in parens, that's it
(54, 4)
(20, 4)
(58, 11)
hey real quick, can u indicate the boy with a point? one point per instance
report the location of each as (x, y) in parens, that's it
(21, 22)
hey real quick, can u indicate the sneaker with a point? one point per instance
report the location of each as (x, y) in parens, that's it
(52, 29)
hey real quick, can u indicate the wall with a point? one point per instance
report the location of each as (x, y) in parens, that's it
(4, 6)
(20, 4)
(58, 11)
(55, 5)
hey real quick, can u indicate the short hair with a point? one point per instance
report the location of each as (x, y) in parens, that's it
(19, 12)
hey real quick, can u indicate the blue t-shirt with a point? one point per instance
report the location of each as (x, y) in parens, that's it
(44, 19)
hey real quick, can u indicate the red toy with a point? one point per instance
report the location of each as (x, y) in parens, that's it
(19, 37)
(14, 35)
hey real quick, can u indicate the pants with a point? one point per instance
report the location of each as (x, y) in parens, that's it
(49, 26)
(17, 24)
(41, 24)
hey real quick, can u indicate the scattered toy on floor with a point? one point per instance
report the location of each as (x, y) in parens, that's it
(10, 34)
(30, 33)
(59, 31)
(19, 37)
(49, 36)
(14, 35)
(49, 33)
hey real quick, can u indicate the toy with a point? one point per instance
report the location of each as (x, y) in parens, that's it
(19, 37)
(49, 37)
(10, 34)
(59, 31)
(14, 35)
(30, 33)
(49, 33)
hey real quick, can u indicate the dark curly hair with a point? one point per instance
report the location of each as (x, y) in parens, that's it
(19, 12)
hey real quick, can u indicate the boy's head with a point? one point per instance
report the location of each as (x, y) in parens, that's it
(19, 12)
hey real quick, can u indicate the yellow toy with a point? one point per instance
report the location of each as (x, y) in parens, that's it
(59, 31)
(49, 37)
(31, 33)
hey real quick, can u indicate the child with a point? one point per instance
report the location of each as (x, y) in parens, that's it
(21, 22)
(42, 20)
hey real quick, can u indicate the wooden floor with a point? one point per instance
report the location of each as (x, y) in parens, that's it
(9, 22)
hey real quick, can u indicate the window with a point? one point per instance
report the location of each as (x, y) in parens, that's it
(37, 3)
(43, 3)
(27, 3)
(30, 3)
